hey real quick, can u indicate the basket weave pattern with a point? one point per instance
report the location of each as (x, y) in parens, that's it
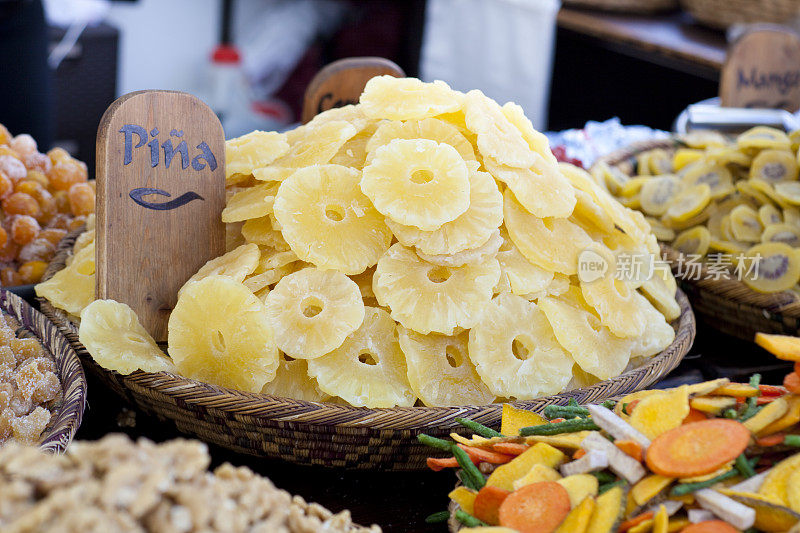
(329, 434)
(628, 6)
(724, 13)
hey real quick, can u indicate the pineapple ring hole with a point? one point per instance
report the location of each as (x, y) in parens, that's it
(454, 357)
(367, 358)
(420, 176)
(334, 212)
(311, 306)
(439, 274)
(519, 347)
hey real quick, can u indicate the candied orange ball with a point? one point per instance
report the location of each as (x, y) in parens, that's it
(3, 237)
(38, 250)
(62, 201)
(32, 271)
(9, 251)
(9, 277)
(59, 221)
(53, 235)
(23, 144)
(81, 199)
(21, 203)
(58, 154)
(24, 229)
(39, 177)
(48, 207)
(6, 186)
(5, 135)
(28, 187)
(76, 223)
(65, 174)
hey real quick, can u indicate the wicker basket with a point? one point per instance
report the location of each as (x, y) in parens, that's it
(727, 305)
(626, 6)
(329, 434)
(724, 13)
(68, 410)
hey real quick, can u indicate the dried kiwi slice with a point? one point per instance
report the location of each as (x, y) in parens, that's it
(745, 224)
(763, 138)
(769, 214)
(728, 155)
(693, 241)
(788, 191)
(660, 162)
(785, 233)
(661, 232)
(643, 164)
(745, 187)
(680, 225)
(657, 193)
(613, 178)
(704, 139)
(777, 269)
(685, 156)
(726, 246)
(794, 137)
(773, 166)
(689, 202)
(634, 185)
(769, 191)
(717, 177)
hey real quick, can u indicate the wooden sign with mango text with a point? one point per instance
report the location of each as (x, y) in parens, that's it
(160, 193)
(342, 82)
(762, 70)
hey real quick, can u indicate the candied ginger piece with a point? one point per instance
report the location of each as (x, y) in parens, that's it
(29, 428)
(26, 349)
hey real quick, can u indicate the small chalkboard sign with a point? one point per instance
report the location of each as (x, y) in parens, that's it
(763, 70)
(342, 82)
(160, 193)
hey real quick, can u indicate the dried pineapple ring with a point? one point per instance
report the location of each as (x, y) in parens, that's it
(408, 98)
(595, 349)
(255, 150)
(768, 214)
(261, 231)
(364, 282)
(789, 192)
(515, 351)
(292, 381)
(660, 290)
(763, 137)
(657, 193)
(537, 141)
(473, 255)
(430, 128)
(417, 182)
(72, 288)
(308, 145)
(313, 311)
(236, 264)
(353, 153)
(220, 333)
(253, 202)
(116, 340)
(613, 299)
(658, 334)
(778, 268)
(785, 233)
(498, 138)
(368, 369)
(745, 224)
(520, 275)
(693, 241)
(470, 230)
(541, 189)
(588, 213)
(552, 243)
(426, 297)
(689, 202)
(717, 177)
(440, 371)
(328, 221)
(773, 166)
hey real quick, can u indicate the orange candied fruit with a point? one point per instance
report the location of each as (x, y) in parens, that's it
(6, 186)
(32, 271)
(81, 199)
(28, 187)
(53, 235)
(20, 203)
(65, 174)
(3, 237)
(24, 229)
(58, 154)
(9, 277)
(5, 135)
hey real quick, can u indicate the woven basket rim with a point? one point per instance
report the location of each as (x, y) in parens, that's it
(67, 417)
(785, 302)
(200, 394)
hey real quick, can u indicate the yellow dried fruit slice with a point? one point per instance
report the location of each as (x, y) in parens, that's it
(769, 214)
(685, 156)
(254, 150)
(440, 371)
(72, 288)
(313, 311)
(727, 156)
(693, 241)
(253, 202)
(219, 333)
(662, 232)
(660, 290)
(745, 224)
(643, 164)
(429, 298)
(116, 340)
(513, 419)
(368, 369)
(763, 138)
(788, 191)
(660, 162)
(515, 351)
(352, 113)
(791, 215)
(658, 334)
(292, 381)
(498, 138)
(520, 275)
(417, 182)
(328, 221)
(717, 177)
(589, 214)
(592, 345)
(689, 202)
(261, 231)
(551, 243)
(778, 267)
(407, 98)
(429, 128)
(353, 153)
(472, 255)
(774, 166)
(537, 141)
(541, 189)
(657, 194)
(236, 264)
(704, 139)
(661, 412)
(785, 233)
(469, 230)
(634, 186)
(776, 483)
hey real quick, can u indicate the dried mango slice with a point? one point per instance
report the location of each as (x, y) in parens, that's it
(464, 498)
(579, 487)
(790, 418)
(793, 492)
(660, 413)
(774, 166)
(778, 268)
(537, 473)
(770, 413)
(577, 521)
(407, 98)
(745, 224)
(771, 515)
(776, 483)
(514, 419)
(693, 241)
(689, 202)
(717, 177)
(649, 487)
(505, 475)
(658, 334)
(763, 137)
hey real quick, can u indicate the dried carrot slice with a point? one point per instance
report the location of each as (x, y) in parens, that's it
(535, 508)
(697, 449)
(771, 440)
(479, 455)
(630, 448)
(510, 448)
(635, 521)
(487, 504)
(440, 463)
(771, 390)
(792, 382)
(710, 526)
(694, 416)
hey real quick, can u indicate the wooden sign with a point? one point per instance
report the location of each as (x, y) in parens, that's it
(342, 82)
(160, 193)
(763, 70)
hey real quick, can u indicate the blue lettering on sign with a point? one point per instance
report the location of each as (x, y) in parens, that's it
(137, 194)
(205, 158)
